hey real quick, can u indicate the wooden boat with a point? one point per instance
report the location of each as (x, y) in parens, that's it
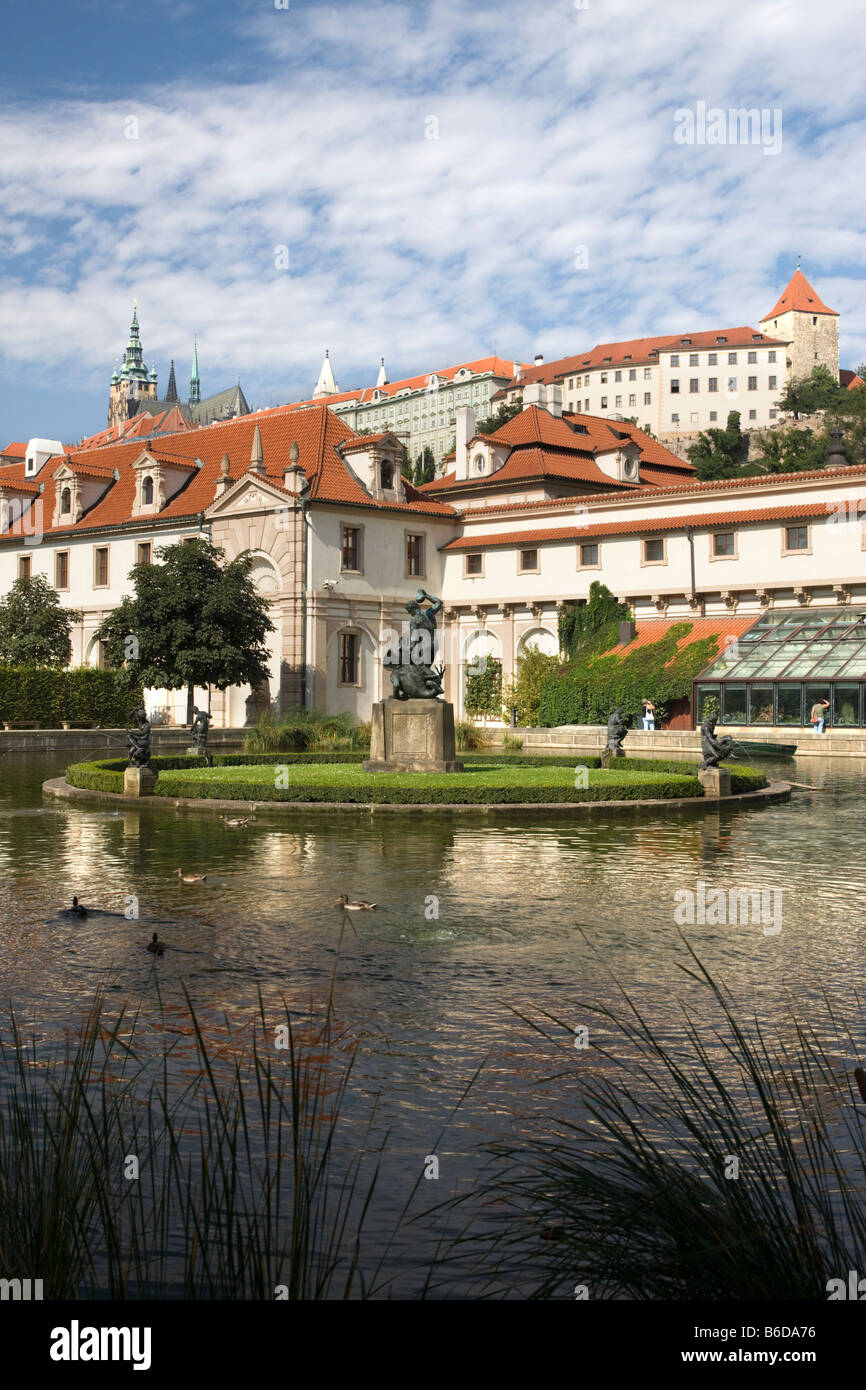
(755, 748)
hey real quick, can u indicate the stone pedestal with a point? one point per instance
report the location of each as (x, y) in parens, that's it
(716, 781)
(138, 781)
(412, 736)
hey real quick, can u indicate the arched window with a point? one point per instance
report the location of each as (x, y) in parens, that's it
(65, 502)
(147, 492)
(387, 475)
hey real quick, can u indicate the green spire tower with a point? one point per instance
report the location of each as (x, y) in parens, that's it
(194, 382)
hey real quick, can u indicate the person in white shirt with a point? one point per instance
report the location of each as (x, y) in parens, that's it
(648, 719)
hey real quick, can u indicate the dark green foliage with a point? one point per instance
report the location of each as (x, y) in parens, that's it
(48, 695)
(593, 626)
(34, 628)
(196, 621)
(589, 688)
(483, 699)
(817, 391)
(423, 470)
(719, 453)
(491, 423)
(524, 690)
(298, 729)
(791, 451)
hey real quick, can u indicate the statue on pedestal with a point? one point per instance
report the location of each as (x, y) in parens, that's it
(713, 749)
(139, 739)
(418, 678)
(617, 729)
(199, 729)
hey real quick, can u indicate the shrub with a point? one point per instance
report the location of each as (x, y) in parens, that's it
(511, 741)
(467, 736)
(48, 695)
(524, 689)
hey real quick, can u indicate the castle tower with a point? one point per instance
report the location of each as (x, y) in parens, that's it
(194, 381)
(132, 384)
(812, 330)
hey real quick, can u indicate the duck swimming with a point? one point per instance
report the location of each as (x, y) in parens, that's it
(234, 822)
(191, 878)
(350, 905)
(76, 910)
(155, 945)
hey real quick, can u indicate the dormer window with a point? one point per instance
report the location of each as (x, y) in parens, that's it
(65, 501)
(147, 492)
(386, 475)
(479, 463)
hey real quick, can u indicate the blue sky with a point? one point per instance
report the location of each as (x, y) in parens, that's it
(431, 170)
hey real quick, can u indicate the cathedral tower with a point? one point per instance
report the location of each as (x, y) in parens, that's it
(132, 384)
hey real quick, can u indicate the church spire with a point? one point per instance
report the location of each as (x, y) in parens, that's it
(382, 378)
(171, 389)
(194, 382)
(326, 385)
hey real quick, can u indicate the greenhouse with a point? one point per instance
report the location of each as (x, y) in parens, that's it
(774, 672)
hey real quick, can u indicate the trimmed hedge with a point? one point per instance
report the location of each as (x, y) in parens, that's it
(657, 779)
(49, 695)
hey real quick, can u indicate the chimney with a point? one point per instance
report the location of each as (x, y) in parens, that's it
(627, 632)
(554, 400)
(465, 426)
(535, 393)
(538, 359)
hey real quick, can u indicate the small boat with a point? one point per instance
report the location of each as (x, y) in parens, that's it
(755, 748)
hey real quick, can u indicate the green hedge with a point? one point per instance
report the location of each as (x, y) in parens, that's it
(48, 695)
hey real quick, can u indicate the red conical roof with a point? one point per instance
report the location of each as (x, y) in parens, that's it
(798, 294)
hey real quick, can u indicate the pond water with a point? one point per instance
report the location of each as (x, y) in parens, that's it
(475, 924)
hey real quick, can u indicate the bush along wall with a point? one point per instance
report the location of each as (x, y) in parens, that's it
(49, 695)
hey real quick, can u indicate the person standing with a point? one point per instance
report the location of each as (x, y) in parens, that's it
(816, 718)
(648, 718)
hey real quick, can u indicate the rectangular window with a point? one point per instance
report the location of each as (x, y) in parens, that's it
(693, 384)
(723, 543)
(604, 378)
(351, 549)
(61, 569)
(693, 359)
(528, 562)
(24, 566)
(713, 359)
(653, 552)
(732, 359)
(473, 564)
(796, 538)
(604, 402)
(714, 415)
(144, 553)
(751, 357)
(647, 373)
(772, 383)
(732, 383)
(675, 360)
(771, 356)
(675, 386)
(632, 400)
(100, 567)
(632, 374)
(675, 419)
(589, 556)
(617, 402)
(773, 414)
(350, 659)
(713, 383)
(753, 383)
(414, 556)
(647, 397)
(617, 376)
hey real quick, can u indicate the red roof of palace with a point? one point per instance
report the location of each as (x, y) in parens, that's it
(16, 450)
(363, 395)
(798, 294)
(654, 629)
(317, 432)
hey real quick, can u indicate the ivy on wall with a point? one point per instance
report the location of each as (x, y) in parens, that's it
(483, 698)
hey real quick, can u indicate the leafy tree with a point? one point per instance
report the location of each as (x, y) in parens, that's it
(851, 415)
(483, 699)
(819, 390)
(861, 371)
(524, 689)
(192, 621)
(34, 628)
(791, 451)
(491, 423)
(719, 453)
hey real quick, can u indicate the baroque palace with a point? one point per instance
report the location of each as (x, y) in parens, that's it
(525, 521)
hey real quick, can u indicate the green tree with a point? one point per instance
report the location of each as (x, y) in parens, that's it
(34, 628)
(483, 699)
(791, 451)
(819, 390)
(524, 689)
(192, 621)
(491, 423)
(719, 453)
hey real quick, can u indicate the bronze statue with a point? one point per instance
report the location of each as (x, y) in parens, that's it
(417, 678)
(617, 729)
(139, 739)
(199, 729)
(713, 749)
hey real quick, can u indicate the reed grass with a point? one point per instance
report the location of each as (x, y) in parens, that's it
(636, 1197)
(299, 730)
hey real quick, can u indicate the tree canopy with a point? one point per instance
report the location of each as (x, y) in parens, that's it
(820, 390)
(34, 628)
(192, 621)
(491, 423)
(719, 453)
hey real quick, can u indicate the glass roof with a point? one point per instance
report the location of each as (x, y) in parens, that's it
(825, 643)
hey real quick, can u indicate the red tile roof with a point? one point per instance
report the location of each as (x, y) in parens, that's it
(16, 451)
(798, 294)
(498, 366)
(850, 379)
(651, 630)
(317, 431)
(792, 512)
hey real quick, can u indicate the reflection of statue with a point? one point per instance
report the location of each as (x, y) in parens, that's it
(417, 678)
(139, 739)
(199, 728)
(713, 749)
(616, 732)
